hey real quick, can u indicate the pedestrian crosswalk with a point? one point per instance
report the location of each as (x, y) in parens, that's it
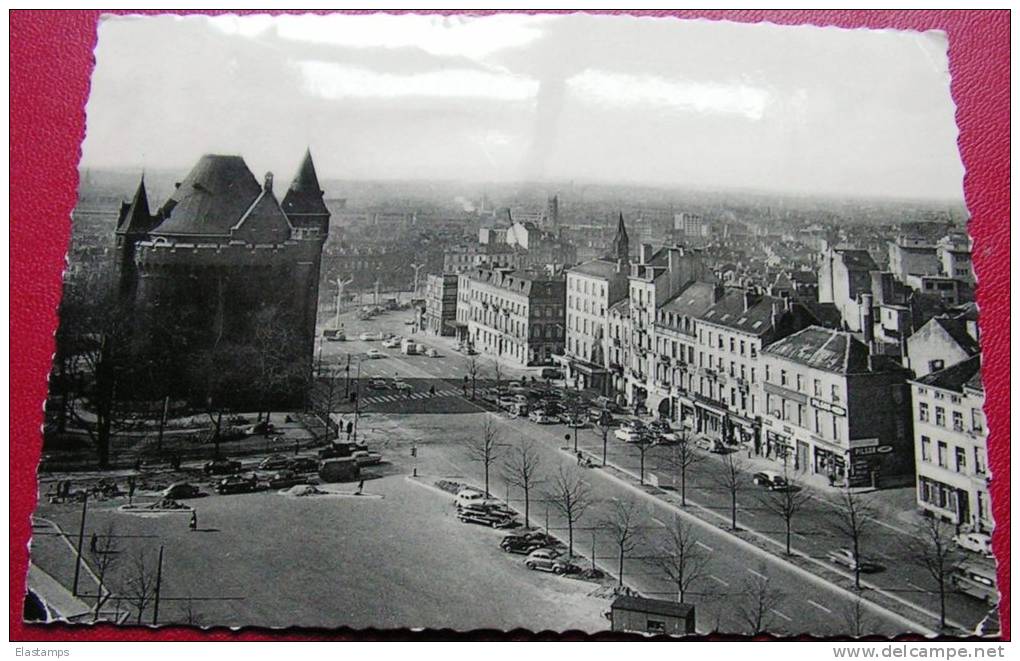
(390, 398)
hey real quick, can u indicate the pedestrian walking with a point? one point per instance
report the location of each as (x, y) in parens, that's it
(432, 390)
(193, 523)
(580, 457)
(94, 543)
(361, 487)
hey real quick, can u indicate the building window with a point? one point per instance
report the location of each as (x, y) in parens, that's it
(733, 345)
(818, 388)
(800, 383)
(768, 373)
(958, 420)
(961, 460)
(977, 420)
(656, 626)
(742, 343)
(922, 412)
(935, 365)
(940, 416)
(835, 393)
(943, 459)
(782, 377)
(925, 449)
(979, 462)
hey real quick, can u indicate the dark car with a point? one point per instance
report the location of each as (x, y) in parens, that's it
(222, 467)
(771, 480)
(181, 490)
(274, 463)
(304, 465)
(485, 516)
(526, 543)
(285, 478)
(237, 484)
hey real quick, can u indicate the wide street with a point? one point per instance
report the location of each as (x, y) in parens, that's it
(810, 603)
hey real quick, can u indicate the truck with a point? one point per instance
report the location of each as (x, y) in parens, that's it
(409, 347)
(344, 469)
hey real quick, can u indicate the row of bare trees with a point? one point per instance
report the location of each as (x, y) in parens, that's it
(131, 578)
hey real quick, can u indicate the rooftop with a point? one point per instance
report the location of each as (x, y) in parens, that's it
(653, 606)
(825, 349)
(598, 268)
(967, 372)
(692, 301)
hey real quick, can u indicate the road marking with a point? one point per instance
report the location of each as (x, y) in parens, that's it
(819, 606)
(718, 580)
(758, 574)
(919, 588)
(704, 546)
(781, 615)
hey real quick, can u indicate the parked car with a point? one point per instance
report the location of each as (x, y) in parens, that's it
(181, 490)
(304, 465)
(845, 558)
(431, 353)
(522, 544)
(367, 337)
(574, 420)
(378, 384)
(542, 418)
(237, 484)
(549, 559)
(484, 516)
(631, 435)
(605, 403)
(222, 467)
(285, 478)
(366, 458)
(274, 463)
(975, 542)
(402, 385)
(597, 414)
(391, 343)
(469, 497)
(551, 373)
(374, 353)
(771, 480)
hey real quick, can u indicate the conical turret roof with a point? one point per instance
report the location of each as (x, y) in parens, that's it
(135, 217)
(304, 197)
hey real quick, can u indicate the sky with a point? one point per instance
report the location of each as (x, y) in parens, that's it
(516, 97)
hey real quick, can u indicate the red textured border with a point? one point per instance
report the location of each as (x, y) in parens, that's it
(50, 66)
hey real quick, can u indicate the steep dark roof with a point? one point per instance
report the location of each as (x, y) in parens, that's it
(691, 301)
(135, 218)
(975, 382)
(956, 376)
(304, 197)
(858, 260)
(957, 330)
(823, 348)
(211, 199)
(756, 320)
(827, 314)
(653, 606)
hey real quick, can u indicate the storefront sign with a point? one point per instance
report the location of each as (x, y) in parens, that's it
(834, 409)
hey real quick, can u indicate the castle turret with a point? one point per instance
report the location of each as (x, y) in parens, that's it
(303, 202)
(133, 225)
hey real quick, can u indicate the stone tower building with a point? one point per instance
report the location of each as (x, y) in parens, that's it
(220, 284)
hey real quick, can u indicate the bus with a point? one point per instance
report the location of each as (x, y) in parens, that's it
(976, 579)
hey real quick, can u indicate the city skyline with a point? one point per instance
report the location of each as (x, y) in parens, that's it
(534, 98)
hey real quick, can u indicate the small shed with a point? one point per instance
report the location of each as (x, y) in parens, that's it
(652, 616)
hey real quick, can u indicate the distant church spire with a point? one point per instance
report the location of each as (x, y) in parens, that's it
(135, 218)
(621, 244)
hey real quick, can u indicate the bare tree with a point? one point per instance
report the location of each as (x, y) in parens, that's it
(758, 602)
(604, 426)
(104, 552)
(857, 620)
(680, 558)
(571, 496)
(933, 549)
(853, 518)
(681, 459)
(731, 478)
(497, 372)
(275, 367)
(622, 527)
(471, 368)
(786, 502)
(642, 443)
(520, 469)
(485, 449)
(140, 586)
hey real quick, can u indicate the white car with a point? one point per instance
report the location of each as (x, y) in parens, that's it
(469, 497)
(402, 385)
(391, 343)
(373, 353)
(367, 337)
(631, 435)
(976, 542)
(431, 353)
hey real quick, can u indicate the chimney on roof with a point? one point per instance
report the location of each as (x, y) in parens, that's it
(619, 266)
(267, 184)
(750, 298)
(646, 253)
(868, 320)
(777, 311)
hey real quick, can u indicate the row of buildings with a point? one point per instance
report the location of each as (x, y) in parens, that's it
(857, 374)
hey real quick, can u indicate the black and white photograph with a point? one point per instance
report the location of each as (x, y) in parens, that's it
(542, 322)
